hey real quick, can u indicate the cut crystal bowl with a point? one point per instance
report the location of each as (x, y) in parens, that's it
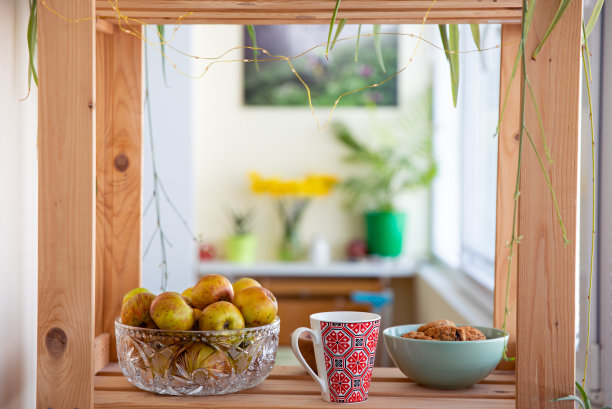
(196, 362)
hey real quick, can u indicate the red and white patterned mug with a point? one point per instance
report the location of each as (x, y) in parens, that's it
(344, 346)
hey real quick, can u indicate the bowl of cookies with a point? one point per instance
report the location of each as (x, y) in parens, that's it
(443, 355)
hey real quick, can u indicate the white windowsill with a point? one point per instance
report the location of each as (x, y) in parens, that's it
(464, 294)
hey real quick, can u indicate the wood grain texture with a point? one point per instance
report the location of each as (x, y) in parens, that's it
(547, 267)
(66, 156)
(312, 12)
(119, 173)
(291, 387)
(507, 163)
(379, 374)
(101, 351)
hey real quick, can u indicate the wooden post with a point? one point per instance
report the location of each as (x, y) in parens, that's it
(507, 156)
(66, 155)
(119, 172)
(547, 266)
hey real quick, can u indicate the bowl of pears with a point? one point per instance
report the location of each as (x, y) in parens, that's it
(213, 338)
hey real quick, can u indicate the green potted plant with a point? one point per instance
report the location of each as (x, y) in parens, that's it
(241, 246)
(403, 161)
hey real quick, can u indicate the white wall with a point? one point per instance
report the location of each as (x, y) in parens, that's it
(232, 140)
(18, 228)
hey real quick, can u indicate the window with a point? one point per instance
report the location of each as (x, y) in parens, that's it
(464, 194)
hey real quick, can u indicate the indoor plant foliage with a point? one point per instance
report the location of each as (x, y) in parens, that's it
(242, 244)
(402, 162)
(292, 197)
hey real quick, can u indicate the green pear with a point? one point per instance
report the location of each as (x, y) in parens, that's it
(257, 305)
(136, 311)
(243, 283)
(170, 311)
(210, 289)
(132, 293)
(221, 315)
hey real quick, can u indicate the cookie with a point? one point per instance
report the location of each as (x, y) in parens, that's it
(416, 335)
(473, 334)
(433, 324)
(446, 333)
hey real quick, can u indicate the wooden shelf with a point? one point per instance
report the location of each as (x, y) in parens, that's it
(312, 11)
(365, 269)
(291, 387)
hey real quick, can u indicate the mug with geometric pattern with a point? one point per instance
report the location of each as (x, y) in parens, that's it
(344, 345)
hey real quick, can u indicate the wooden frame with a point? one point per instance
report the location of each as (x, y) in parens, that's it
(90, 115)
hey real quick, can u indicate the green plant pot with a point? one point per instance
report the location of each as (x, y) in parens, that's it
(241, 249)
(385, 233)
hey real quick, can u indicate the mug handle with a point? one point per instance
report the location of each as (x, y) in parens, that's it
(316, 340)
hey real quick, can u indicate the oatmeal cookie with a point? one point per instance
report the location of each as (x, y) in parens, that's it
(473, 334)
(446, 333)
(416, 335)
(433, 324)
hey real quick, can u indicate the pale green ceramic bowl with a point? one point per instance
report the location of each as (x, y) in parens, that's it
(445, 364)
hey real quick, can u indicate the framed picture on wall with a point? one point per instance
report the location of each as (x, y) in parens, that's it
(273, 83)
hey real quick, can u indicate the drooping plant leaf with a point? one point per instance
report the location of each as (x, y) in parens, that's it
(453, 43)
(31, 39)
(585, 398)
(444, 38)
(475, 28)
(251, 30)
(378, 47)
(357, 44)
(570, 397)
(594, 17)
(331, 26)
(161, 30)
(560, 11)
(341, 25)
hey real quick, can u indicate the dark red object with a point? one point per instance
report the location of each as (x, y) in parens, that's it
(207, 252)
(357, 249)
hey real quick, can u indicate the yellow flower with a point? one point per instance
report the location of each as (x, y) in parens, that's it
(311, 185)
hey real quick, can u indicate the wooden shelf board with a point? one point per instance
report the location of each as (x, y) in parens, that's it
(389, 389)
(311, 12)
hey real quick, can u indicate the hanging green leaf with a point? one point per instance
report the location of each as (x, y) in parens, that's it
(357, 44)
(583, 400)
(378, 47)
(453, 42)
(341, 25)
(594, 17)
(560, 11)
(444, 37)
(476, 34)
(331, 26)
(31, 39)
(161, 29)
(251, 30)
